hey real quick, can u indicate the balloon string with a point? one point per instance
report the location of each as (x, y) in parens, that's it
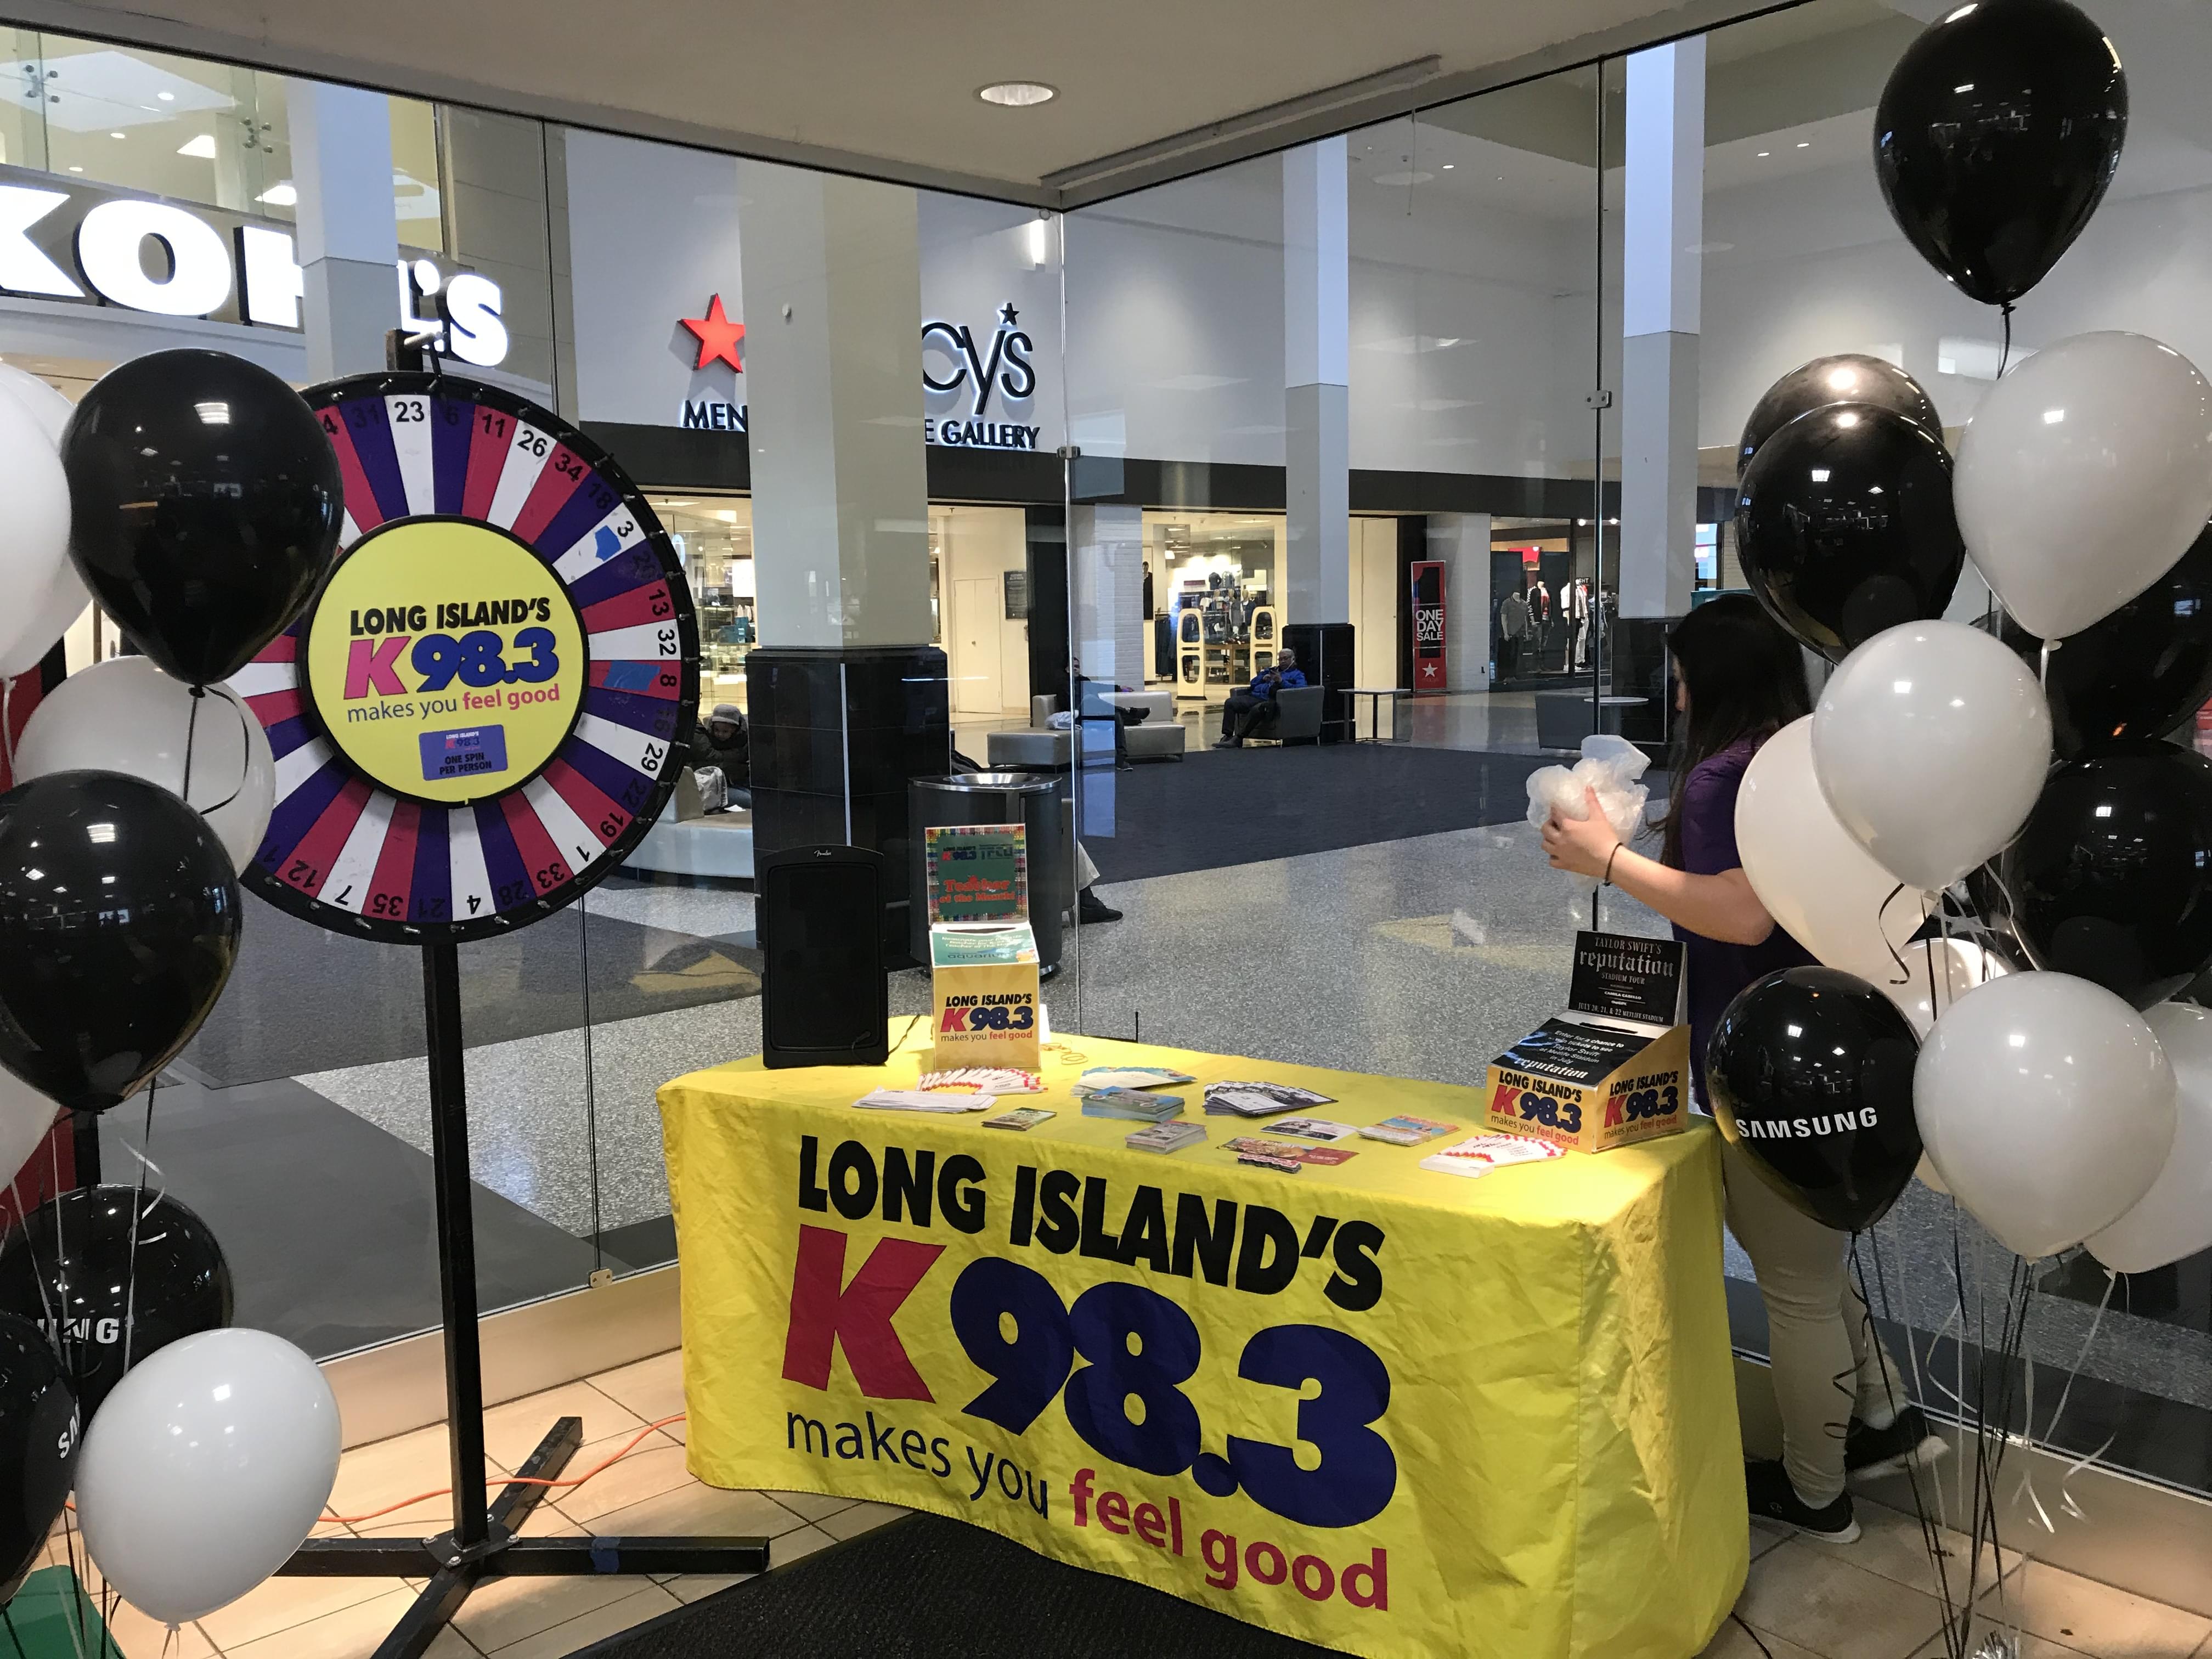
(1904, 972)
(2051, 1432)
(1930, 1528)
(8, 724)
(2004, 355)
(246, 762)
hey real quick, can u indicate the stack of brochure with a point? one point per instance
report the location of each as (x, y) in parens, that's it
(1133, 1076)
(1478, 1155)
(1259, 1099)
(1137, 1103)
(917, 1100)
(1404, 1131)
(1165, 1137)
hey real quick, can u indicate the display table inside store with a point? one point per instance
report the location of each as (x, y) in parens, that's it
(1388, 1410)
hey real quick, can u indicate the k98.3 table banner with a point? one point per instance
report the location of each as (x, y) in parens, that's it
(1464, 1417)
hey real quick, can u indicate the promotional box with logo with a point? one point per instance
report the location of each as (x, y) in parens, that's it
(1613, 1068)
(983, 956)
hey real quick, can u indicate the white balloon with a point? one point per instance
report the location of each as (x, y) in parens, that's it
(46, 403)
(126, 715)
(1819, 885)
(35, 549)
(2084, 475)
(65, 597)
(204, 1469)
(1931, 743)
(25, 1118)
(1949, 967)
(2173, 1219)
(2048, 1108)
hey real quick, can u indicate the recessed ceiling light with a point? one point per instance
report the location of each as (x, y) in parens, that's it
(166, 97)
(282, 194)
(115, 135)
(1763, 154)
(1804, 144)
(1449, 166)
(1018, 94)
(200, 149)
(77, 169)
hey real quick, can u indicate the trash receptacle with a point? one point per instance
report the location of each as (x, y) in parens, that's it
(1038, 804)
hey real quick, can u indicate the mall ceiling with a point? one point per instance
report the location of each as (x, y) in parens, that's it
(1148, 89)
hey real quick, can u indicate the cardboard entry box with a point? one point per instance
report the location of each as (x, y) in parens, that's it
(1613, 1069)
(983, 981)
(983, 973)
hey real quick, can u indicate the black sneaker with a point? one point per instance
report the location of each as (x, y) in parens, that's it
(1228, 742)
(1088, 907)
(1907, 1443)
(1774, 1499)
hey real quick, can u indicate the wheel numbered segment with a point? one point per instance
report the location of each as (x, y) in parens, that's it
(484, 706)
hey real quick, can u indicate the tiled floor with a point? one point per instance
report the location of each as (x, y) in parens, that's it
(1873, 1599)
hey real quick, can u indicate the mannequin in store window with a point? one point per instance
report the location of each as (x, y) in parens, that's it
(1578, 609)
(1512, 625)
(1739, 679)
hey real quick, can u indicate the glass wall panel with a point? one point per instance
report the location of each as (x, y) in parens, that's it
(1337, 902)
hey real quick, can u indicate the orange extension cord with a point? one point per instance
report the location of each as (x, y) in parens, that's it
(513, 1479)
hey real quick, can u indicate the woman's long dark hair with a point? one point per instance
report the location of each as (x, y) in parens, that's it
(1746, 678)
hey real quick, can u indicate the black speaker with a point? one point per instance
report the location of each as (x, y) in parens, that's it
(825, 999)
(1324, 653)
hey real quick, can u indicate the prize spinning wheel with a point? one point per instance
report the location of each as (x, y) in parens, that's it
(484, 706)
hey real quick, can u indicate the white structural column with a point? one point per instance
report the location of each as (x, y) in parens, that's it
(1659, 311)
(1106, 549)
(1317, 414)
(349, 245)
(1461, 540)
(832, 278)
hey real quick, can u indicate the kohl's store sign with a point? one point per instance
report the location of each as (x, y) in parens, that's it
(969, 376)
(87, 244)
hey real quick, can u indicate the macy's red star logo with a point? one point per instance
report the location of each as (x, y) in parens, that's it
(717, 337)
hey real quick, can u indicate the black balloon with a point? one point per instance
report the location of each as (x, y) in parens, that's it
(1848, 378)
(205, 503)
(1810, 1072)
(119, 925)
(2142, 672)
(2111, 879)
(1995, 138)
(1844, 525)
(71, 1270)
(39, 1434)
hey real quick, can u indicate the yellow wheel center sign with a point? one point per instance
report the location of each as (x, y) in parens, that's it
(445, 659)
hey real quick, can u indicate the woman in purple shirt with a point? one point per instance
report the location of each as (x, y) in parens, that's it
(1738, 680)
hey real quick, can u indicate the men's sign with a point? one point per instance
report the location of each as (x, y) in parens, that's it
(1386, 1410)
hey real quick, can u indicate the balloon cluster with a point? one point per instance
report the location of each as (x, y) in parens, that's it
(2057, 1093)
(193, 496)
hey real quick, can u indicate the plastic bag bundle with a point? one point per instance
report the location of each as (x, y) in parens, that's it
(1611, 766)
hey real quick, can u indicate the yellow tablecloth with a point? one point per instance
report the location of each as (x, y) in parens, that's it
(1375, 1408)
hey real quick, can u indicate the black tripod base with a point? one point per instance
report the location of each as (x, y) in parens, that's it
(456, 1562)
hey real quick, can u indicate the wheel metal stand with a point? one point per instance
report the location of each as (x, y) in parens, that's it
(484, 1543)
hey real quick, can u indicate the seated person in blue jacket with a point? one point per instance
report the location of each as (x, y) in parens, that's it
(1246, 711)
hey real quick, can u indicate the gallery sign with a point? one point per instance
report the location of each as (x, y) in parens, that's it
(89, 245)
(1003, 367)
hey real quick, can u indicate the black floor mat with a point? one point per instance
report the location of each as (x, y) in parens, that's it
(329, 1223)
(1240, 805)
(928, 1588)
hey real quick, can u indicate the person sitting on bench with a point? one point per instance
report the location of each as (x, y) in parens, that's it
(1247, 711)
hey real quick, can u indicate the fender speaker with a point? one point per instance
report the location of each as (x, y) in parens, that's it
(825, 999)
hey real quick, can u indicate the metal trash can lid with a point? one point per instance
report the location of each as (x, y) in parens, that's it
(991, 783)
